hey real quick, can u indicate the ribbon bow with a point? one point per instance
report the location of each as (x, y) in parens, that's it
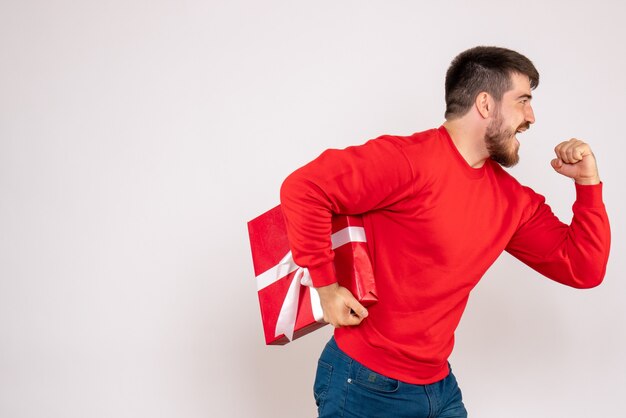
(286, 322)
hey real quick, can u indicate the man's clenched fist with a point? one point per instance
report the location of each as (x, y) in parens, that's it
(574, 159)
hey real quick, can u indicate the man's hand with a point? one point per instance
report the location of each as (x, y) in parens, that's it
(574, 159)
(340, 307)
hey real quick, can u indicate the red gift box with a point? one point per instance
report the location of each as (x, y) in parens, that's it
(289, 307)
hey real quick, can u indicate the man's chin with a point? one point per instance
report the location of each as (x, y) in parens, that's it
(511, 163)
(505, 155)
(513, 158)
(507, 161)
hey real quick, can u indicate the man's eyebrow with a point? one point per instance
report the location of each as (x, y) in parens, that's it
(525, 96)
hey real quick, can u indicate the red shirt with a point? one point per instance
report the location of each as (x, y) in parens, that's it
(434, 226)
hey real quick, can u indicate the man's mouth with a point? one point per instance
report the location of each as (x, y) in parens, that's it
(522, 128)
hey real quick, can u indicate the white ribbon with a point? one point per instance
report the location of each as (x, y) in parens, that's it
(286, 322)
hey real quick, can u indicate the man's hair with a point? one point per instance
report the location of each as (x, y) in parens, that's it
(483, 69)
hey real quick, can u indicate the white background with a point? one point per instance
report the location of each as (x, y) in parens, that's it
(137, 138)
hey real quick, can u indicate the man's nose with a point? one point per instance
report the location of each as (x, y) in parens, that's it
(529, 114)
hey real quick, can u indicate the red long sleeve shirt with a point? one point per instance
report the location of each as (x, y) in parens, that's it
(434, 225)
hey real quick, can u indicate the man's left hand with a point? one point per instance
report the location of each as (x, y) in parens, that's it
(575, 160)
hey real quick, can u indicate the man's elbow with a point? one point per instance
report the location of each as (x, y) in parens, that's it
(589, 281)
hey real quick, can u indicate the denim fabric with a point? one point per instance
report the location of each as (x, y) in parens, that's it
(346, 388)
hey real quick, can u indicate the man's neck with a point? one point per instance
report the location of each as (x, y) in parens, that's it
(469, 139)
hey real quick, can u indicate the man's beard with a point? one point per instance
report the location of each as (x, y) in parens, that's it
(500, 144)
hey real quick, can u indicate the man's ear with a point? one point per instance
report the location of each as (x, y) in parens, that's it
(484, 104)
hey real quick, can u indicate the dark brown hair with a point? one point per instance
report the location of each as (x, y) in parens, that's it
(483, 69)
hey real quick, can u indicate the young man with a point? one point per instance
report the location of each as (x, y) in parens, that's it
(438, 210)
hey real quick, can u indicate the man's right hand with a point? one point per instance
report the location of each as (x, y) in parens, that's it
(340, 306)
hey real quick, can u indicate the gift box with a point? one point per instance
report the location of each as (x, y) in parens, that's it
(290, 308)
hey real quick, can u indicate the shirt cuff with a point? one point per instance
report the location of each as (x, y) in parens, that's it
(323, 275)
(589, 195)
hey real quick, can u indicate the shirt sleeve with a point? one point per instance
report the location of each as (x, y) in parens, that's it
(352, 181)
(575, 255)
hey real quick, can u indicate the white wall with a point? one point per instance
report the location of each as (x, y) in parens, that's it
(137, 138)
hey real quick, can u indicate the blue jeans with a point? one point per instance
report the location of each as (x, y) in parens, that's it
(346, 388)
